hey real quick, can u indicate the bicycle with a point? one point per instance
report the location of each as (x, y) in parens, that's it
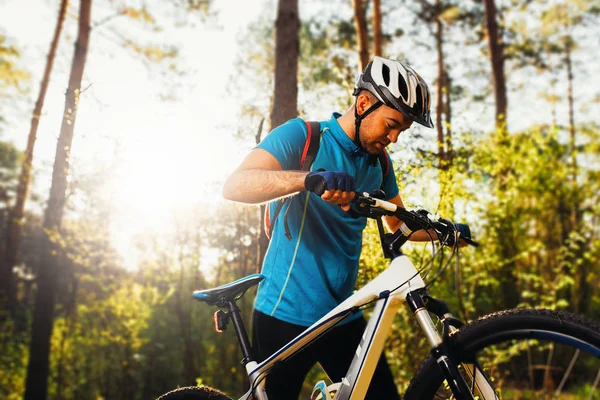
(466, 361)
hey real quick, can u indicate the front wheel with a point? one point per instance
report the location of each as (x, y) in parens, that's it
(519, 354)
(194, 393)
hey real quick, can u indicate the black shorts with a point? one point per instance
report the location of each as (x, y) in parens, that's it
(334, 352)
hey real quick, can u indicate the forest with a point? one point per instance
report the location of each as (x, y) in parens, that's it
(120, 120)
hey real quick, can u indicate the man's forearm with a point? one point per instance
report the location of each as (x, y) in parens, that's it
(421, 235)
(255, 186)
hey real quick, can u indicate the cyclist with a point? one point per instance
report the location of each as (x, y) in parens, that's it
(311, 273)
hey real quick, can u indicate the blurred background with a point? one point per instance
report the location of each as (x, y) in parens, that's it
(120, 120)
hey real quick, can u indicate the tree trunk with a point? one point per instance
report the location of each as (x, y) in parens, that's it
(15, 220)
(70, 316)
(582, 289)
(507, 273)
(448, 112)
(36, 385)
(443, 129)
(285, 96)
(287, 49)
(377, 36)
(448, 137)
(184, 322)
(362, 32)
(496, 48)
(439, 107)
(569, 65)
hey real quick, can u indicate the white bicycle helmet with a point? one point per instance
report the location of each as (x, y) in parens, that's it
(398, 86)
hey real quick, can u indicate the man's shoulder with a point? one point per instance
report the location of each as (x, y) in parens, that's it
(294, 124)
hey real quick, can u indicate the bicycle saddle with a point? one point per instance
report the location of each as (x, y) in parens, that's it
(221, 295)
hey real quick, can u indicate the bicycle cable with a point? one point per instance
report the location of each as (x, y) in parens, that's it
(363, 306)
(445, 267)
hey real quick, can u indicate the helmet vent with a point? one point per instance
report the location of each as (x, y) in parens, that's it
(402, 87)
(419, 102)
(386, 74)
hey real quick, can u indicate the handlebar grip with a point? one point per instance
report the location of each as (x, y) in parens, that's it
(315, 184)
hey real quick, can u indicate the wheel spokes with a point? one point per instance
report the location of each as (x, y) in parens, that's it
(595, 385)
(566, 375)
(548, 370)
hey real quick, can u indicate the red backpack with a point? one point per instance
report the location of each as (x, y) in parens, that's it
(309, 154)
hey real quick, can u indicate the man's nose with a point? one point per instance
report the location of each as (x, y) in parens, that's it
(393, 136)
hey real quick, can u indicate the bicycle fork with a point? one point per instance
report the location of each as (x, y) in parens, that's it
(439, 347)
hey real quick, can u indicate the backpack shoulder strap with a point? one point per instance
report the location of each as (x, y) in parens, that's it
(384, 163)
(311, 147)
(309, 153)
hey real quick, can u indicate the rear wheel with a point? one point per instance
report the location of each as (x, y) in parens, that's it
(194, 393)
(520, 354)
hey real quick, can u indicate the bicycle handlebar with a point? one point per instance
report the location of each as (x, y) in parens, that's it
(372, 207)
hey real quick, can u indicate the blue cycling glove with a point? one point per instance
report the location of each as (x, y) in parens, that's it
(320, 181)
(464, 230)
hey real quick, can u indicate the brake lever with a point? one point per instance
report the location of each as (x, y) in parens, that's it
(450, 226)
(364, 203)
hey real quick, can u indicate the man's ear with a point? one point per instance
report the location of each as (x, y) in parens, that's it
(363, 102)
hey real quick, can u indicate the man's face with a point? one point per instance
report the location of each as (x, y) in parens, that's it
(381, 128)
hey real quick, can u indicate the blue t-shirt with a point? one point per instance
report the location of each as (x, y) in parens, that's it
(309, 275)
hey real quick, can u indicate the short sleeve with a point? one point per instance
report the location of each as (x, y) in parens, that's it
(390, 186)
(286, 143)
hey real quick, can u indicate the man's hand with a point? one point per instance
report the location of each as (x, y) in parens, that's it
(464, 232)
(333, 187)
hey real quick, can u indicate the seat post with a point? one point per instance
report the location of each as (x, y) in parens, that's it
(240, 331)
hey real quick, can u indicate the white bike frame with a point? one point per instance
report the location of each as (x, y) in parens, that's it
(401, 272)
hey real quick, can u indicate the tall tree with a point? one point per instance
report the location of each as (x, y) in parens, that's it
(441, 88)
(568, 44)
(362, 32)
(188, 243)
(496, 48)
(49, 269)
(285, 92)
(448, 112)
(561, 23)
(507, 244)
(443, 110)
(377, 35)
(438, 15)
(11, 77)
(432, 14)
(15, 221)
(287, 49)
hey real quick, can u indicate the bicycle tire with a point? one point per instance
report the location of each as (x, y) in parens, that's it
(522, 325)
(194, 393)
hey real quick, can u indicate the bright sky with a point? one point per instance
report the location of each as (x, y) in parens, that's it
(169, 154)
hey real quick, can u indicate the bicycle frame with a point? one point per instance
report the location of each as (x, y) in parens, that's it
(356, 382)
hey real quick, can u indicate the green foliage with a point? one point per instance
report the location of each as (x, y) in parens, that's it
(10, 158)
(14, 353)
(327, 49)
(11, 75)
(538, 232)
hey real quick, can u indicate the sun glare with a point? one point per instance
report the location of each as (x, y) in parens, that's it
(170, 155)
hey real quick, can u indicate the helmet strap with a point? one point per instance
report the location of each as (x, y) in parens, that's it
(358, 119)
